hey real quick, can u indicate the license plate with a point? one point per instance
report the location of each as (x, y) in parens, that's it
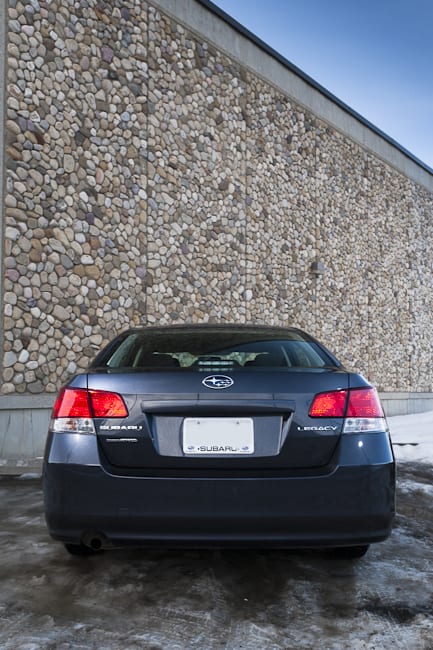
(218, 436)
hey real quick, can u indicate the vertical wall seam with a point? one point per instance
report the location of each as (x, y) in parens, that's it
(143, 317)
(246, 216)
(3, 53)
(316, 234)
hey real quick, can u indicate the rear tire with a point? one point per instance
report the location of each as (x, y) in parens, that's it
(80, 550)
(350, 552)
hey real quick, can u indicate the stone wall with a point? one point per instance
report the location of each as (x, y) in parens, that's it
(151, 177)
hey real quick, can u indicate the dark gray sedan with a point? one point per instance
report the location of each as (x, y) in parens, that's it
(218, 436)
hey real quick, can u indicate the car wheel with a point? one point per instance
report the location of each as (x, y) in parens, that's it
(80, 549)
(350, 552)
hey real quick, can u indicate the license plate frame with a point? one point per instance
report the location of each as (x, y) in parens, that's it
(218, 436)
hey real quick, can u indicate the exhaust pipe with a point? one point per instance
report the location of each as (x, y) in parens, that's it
(95, 544)
(94, 540)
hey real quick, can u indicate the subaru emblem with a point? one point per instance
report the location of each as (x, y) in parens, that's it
(217, 381)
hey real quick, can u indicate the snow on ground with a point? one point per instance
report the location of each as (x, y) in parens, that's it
(412, 437)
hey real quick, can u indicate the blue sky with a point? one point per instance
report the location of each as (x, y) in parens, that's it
(375, 55)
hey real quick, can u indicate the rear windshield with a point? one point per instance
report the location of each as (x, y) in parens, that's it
(214, 350)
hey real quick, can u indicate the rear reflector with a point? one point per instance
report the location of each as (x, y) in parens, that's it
(81, 403)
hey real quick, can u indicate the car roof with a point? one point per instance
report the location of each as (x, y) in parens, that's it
(222, 327)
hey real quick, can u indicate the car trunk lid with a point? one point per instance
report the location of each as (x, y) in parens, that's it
(260, 420)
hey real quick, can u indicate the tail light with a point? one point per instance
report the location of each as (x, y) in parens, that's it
(75, 409)
(360, 408)
(364, 403)
(329, 405)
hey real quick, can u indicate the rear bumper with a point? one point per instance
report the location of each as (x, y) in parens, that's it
(352, 504)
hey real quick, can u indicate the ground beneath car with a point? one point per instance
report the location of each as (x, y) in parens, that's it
(236, 600)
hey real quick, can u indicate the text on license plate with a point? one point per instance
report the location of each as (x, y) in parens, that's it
(215, 436)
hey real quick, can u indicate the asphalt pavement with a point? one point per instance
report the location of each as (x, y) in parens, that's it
(215, 600)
